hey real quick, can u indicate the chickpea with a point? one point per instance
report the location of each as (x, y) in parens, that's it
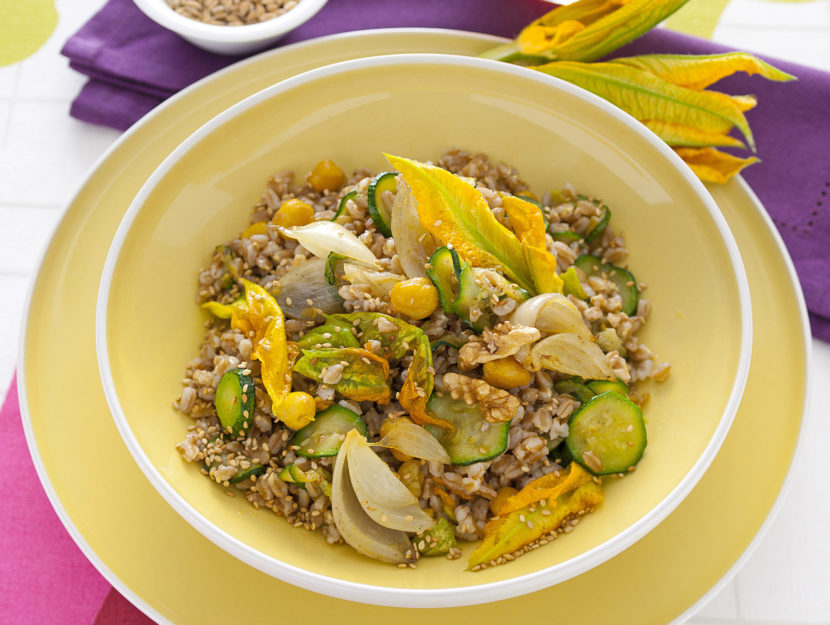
(505, 373)
(497, 502)
(294, 212)
(259, 227)
(326, 176)
(412, 476)
(384, 430)
(416, 298)
(296, 410)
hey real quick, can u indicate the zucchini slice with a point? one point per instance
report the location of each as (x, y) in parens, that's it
(625, 281)
(246, 474)
(341, 207)
(471, 296)
(566, 236)
(449, 341)
(473, 439)
(573, 386)
(561, 455)
(381, 213)
(598, 224)
(241, 475)
(235, 402)
(295, 475)
(604, 386)
(444, 263)
(333, 263)
(323, 436)
(607, 434)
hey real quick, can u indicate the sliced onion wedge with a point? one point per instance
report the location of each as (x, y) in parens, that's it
(561, 315)
(308, 282)
(415, 441)
(380, 282)
(413, 242)
(355, 526)
(528, 311)
(323, 237)
(551, 313)
(383, 496)
(572, 354)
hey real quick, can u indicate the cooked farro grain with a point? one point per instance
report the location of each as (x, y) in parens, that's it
(462, 493)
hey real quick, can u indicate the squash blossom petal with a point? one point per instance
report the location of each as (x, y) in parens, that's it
(711, 165)
(263, 323)
(585, 30)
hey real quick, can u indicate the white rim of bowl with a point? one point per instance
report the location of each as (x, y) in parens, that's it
(160, 12)
(434, 597)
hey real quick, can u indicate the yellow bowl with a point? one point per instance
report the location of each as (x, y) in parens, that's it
(148, 325)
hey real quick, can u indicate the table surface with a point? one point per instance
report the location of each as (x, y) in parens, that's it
(45, 155)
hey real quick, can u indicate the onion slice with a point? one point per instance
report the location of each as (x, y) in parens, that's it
(380, 282)
(323, 237)
(308, 282)
(383, 496)
(413, 242)
(528, 311)
(415, 441)
(560, 314)
(551, 313)
(351, 520)
(572, 354)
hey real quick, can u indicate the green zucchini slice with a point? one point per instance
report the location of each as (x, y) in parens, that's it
(323, 436)
(566, 236)
(573, 386)
(604, 386)
(241, 475)
(333, 263)
(597, 225)
(471, 296)
(607, 434)
(625, 281)
(378, 210)
(341, 207)
(473, 439)
(561, 455)
(246, 474)
(235, 402)
(442, 272)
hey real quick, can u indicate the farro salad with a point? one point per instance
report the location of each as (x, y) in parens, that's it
(431, 354)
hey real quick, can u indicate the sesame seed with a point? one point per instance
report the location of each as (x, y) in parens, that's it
(288, 301)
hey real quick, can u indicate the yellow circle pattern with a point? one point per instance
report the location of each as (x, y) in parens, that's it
(24, 28)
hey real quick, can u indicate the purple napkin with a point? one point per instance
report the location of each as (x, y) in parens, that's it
(133, 64)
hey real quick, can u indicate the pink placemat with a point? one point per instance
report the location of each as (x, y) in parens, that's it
(44, 577)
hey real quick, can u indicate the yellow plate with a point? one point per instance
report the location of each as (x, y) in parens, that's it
(156, 559)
